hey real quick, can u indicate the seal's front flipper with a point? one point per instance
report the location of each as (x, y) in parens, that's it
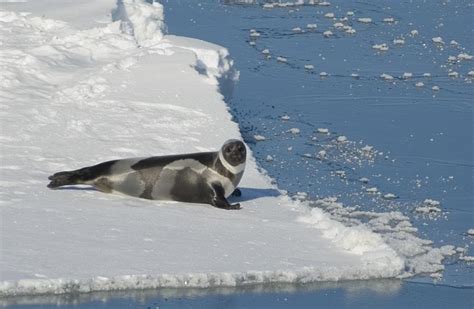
(237, 192)
(219, 200)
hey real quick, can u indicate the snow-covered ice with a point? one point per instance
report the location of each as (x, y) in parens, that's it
(77, 92)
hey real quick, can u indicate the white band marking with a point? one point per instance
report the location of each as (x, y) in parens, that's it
(233, 169)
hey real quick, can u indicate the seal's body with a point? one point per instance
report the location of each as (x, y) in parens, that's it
(207, 177)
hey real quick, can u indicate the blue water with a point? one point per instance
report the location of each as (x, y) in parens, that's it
(423, 138)
(363, 294)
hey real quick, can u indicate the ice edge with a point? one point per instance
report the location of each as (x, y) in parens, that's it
(196, 280)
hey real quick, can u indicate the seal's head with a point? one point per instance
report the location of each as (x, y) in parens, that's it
(233, 155)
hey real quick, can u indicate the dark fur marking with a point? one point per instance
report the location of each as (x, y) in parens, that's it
(104, 185)
(191, 187)
(205, 158)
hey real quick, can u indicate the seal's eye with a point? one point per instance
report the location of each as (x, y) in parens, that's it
(241, 148)
(228, 150)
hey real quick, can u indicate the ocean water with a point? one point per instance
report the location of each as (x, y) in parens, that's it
(406, 137)
(411, 141)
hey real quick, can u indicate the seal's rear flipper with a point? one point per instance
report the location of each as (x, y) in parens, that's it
(62, 179)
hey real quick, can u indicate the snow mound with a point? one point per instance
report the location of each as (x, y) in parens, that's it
(141, 20)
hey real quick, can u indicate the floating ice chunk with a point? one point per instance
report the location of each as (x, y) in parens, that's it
(311, 26)
(350, 30)
(470, 232)
(323, 74)
(354, 75)
(435, 88)
(386, 77)
(390, 196)
(419, 84)
(338, 25)
(453, 74)
(437, 40)
(414, 32)
(325, 3)
(350, 13)
(296, 29)
(407, 75)
(447, 250)
(452, 59)
(461, 250)
(341, 174)
(268, 6)
(431, 202)
(399, 41)
(282, 59)
(436, 276)
(464, 56)
(426, 74)
(294, 131)
(307, 155)
(285, 117)
(259, 138)
(372, 190)
(364, 179)
(467, 258)
(252, 43)
(254, 34)
(301, 196)
(329, 15)
(269, 158)
(427, 209)
(381, 47)
(328, 33)
(266, 51)
(290, 148)
(364, 20)
(454, 43)
(309, 67)
(367, 148)
(341, 139)
(470, 73)
(321, 154)
(389, 20)
(322, 131)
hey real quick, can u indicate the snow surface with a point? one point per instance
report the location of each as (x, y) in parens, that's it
(76, 91)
